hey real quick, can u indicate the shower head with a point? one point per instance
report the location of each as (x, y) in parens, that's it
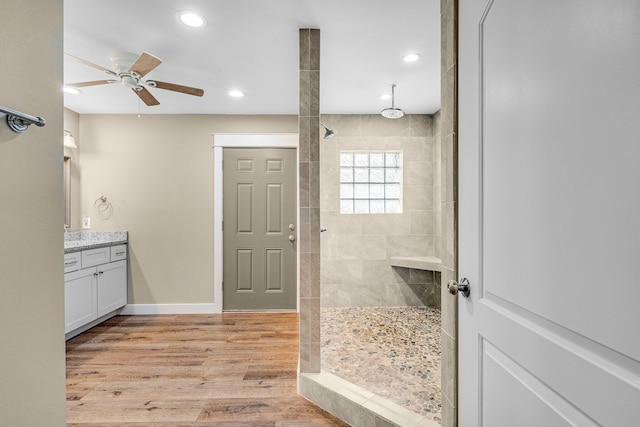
(328, 132)
(392, 112)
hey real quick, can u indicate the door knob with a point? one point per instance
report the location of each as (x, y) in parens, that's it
(292, 227)
(462, 287)
(292, 238)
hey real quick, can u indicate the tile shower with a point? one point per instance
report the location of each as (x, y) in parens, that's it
(380, 324)
(332, 393)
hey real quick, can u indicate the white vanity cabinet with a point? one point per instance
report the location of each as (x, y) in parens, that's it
(112, 286)
(97, 287)
(80, 298)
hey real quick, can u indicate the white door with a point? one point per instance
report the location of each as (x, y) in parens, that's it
(549, 212)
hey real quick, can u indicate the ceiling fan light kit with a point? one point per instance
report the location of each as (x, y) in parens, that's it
(129, 70)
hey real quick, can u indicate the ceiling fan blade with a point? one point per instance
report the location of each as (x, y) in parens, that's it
(145, 63)
(92, 83)
(90, 64)
(146, 97)
(179, 88)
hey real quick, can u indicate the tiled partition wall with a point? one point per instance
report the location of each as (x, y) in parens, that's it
(356, 248)
(448, 128)
(309, 200)
(343, 399)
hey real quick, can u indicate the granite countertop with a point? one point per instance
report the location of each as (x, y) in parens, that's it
(75, 241)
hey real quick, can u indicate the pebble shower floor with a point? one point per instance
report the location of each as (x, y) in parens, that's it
(391, 351)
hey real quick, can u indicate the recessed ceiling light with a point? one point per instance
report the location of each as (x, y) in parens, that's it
(71, 90)
(190, 19)
(411, 57)
(385, 96)
(236, 93)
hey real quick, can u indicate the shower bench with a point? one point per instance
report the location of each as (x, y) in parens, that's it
(429, 263)
(422, 274)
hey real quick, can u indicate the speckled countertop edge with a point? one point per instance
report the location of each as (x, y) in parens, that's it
(75, 241)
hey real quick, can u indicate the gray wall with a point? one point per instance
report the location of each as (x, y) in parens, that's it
(32, 372)
(355, 249)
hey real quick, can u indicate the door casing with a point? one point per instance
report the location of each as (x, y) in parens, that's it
(221, 141)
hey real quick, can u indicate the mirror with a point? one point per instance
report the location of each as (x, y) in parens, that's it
(67, 192)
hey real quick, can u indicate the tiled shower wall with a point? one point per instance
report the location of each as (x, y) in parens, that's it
(448, 128)
(309, 199)
(356, 248)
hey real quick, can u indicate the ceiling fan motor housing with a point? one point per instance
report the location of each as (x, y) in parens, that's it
(122, 61)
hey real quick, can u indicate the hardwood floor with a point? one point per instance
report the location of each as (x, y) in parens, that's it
(231, 369)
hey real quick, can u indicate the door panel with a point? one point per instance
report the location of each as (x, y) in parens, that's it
(274, 270)
(244, 209)
(244, 266)
(274, 208)
(259, 209)
(537, 404)
(548, 212)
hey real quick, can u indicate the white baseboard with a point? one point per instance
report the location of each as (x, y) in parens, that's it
(141, 309)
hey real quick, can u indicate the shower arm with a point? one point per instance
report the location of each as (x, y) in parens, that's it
(393, 95)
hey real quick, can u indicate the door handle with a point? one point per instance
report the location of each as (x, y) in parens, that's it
(292, 238)
(462, 287)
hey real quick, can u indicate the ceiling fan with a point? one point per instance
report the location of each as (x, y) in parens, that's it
(129, 70)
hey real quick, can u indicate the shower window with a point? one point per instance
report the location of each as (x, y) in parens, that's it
(370, 182)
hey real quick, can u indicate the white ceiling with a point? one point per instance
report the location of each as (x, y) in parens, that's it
(252, 45)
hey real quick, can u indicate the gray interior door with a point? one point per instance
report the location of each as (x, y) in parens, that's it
(259, 217)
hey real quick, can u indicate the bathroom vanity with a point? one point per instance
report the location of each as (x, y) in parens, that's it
(95, 278)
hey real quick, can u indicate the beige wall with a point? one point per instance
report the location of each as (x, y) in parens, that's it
(32, 385)
(356, 249)
(157, 173)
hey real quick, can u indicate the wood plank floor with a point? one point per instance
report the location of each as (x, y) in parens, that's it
(230, 369)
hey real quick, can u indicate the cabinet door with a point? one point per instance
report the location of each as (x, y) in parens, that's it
(112, 287)
(80, 305)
